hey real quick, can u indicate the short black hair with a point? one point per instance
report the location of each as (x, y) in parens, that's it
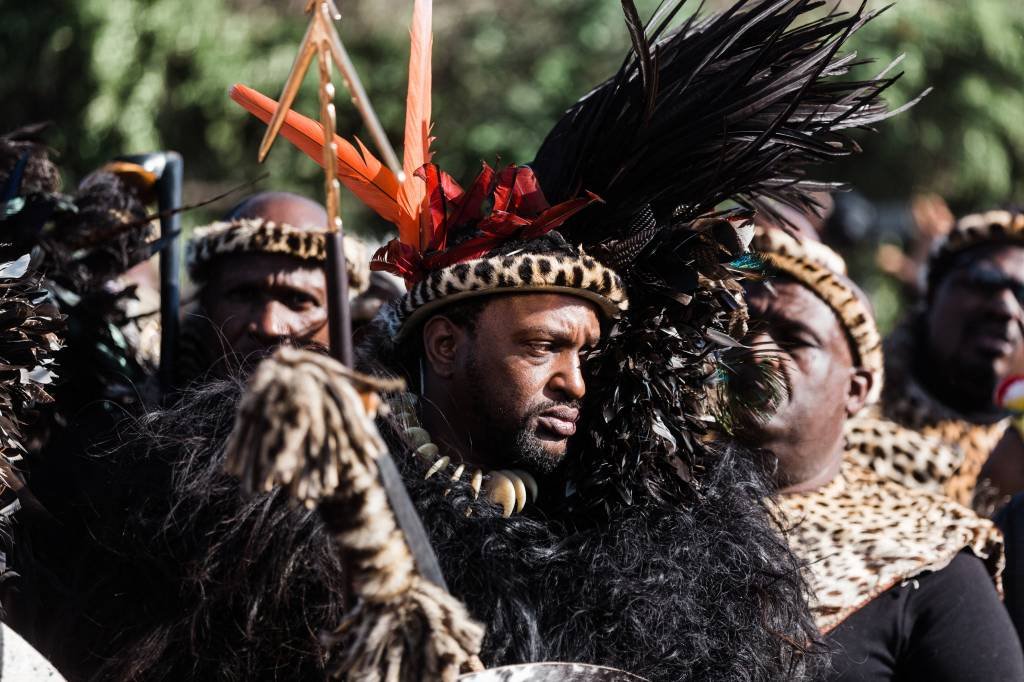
(465, 313)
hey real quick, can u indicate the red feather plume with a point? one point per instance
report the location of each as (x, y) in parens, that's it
(518, 210)
(359, 170)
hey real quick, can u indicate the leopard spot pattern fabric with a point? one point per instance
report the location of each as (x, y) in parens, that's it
(520, 272)
(959, 445)
(911, 458)
(862, 534)
(255, 235)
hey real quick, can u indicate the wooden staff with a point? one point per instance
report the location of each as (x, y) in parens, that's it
(339, 313)
(323, 42)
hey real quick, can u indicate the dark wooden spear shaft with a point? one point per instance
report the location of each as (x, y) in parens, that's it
(168, 167)
(339, 313)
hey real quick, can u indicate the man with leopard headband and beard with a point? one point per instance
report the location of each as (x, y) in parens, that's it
(612, 559)
(944, 362)
(903, 578)
(260, 283)
(503, 377)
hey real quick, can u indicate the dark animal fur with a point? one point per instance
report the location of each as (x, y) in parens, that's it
(206, 584)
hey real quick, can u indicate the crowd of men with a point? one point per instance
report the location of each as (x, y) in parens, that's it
(596, 423)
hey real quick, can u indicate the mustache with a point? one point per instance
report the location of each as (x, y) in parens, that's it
(549, 404)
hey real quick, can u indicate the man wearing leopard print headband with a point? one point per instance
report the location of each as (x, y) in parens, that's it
(902, 578)
(946, 358)
(260, 283)
(555, 435)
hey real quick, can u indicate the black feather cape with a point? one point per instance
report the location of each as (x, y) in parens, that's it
(701, 125)
(193, 580)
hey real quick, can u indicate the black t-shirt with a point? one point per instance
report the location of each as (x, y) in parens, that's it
(947, 625)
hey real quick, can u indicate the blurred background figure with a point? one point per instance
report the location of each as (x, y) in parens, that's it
(384, 287)
(69, 376)
(261, 283)
(886, 243)
(945, 359)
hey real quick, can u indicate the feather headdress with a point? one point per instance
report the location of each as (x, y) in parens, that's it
(724, 110)
(699, 126)
(440, 224)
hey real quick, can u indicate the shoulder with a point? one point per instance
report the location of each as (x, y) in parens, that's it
(864, 534)
(900, 454)
(922, 520)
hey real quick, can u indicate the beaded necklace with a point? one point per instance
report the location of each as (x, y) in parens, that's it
(510, 489)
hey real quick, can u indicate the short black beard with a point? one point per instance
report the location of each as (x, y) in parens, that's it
(968, 389)
(513, 443)
(529, 454)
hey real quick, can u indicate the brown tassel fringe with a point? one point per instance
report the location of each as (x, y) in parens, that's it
(306, 423)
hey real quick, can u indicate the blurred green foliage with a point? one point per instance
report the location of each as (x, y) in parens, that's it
(965, 140)
(120, 76)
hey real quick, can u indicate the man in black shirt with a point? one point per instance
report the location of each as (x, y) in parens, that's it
(901, 578)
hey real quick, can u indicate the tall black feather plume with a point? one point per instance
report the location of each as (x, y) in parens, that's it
(726, 109)
(745, 100)
(646, 59)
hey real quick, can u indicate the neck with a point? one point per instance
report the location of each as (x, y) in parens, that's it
(449, 453)
(819, 476)
(437, 415)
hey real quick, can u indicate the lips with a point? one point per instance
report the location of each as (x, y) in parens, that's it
(994, 345)
(992, 340)
(560, 421)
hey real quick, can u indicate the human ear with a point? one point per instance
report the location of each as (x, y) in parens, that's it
(861, 382)
(441, 338)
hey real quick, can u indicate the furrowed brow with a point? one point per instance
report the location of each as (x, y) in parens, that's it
(553, 333)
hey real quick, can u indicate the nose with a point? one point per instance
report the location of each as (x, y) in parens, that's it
(568, 381)
(1004, 304)
(270, 323)
(767, 358)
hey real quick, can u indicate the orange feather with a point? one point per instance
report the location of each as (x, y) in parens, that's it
(359, 170)
(412, 192)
